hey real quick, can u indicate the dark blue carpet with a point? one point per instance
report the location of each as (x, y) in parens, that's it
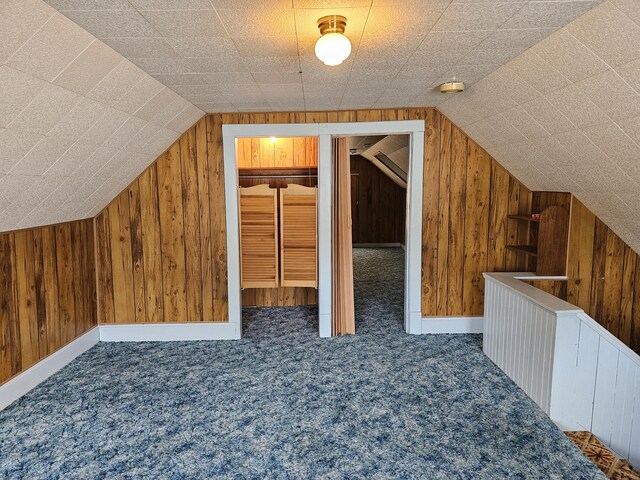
(282, 403)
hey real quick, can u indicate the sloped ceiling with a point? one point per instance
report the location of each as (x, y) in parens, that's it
(565, 115)
(244, 55)
(78, 121)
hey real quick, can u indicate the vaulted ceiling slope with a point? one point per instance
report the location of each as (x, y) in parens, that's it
(78, 121)
(250, 55)
(565, 115)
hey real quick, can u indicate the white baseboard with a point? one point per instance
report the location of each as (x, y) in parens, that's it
(168, 332)
(22, 383)
(452, 324)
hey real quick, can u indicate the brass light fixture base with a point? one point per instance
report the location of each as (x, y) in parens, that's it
(332, 24)
(452, 87)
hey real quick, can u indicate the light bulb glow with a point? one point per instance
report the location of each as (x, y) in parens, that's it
(333, 48)
(273, 139)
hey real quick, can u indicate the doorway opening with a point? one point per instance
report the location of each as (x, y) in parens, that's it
(277, 200)
(379, 175)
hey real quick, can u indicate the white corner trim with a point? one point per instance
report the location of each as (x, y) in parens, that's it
(169, 332)
(452, 324)
(22, 383)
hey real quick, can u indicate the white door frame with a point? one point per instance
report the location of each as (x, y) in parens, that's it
(325, 132)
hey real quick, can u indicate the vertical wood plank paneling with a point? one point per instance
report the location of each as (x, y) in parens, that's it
(476, 228)
(443, 216)
(612, 293)
(499, 193)
(172, 235)
(457, 204)
(105, 274)
(47, 291)
(121, 261)
(26, 298)
(191, 209)
(151, 245)
(64, 269)
(430, 196)
(204, 208)
(137, 254)
(580, 262)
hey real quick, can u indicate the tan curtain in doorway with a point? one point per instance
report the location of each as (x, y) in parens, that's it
(343, 313)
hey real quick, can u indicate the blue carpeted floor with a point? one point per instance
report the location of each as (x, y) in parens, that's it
(282, 403)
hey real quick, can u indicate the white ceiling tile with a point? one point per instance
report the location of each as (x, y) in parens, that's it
(173, 79)
(612, 94)
(564, 52)
(616, 144)
(90, 4)
(154, 66)
(525, 123)
(202, 46)
(223, 78)
(89, 68)
(171, 4)
(272, 64)
(51, 48)
(577, 106)
(117, 83)
(14, 145)
(104, 127)
(267, 78)
(392, 19)
(170, 111)
(155, 104)
(18, 90)
(185, 23)
(45, 110)
(258, 21)
(631, 127)
(216, 107)
(548, 116)
(68, 163)
(503, 45)
(186, 90)
(141, 47)
(41, 156)
(219, 63)
(630, 8)
(608, 33)
(279, 46)
(537, 72)
(123, 135)
(548, 14)
(78, 120)
(630, 72)
(112, 23)
(330, 3)
(476, 16)
(18, 21)
(139, 95)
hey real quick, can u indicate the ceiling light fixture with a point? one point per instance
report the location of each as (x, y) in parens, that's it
(452, 87)
(332, 48)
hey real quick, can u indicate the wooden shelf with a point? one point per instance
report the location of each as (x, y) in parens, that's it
(524, 218)
(526, 249)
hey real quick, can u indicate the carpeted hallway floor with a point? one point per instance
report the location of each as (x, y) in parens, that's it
(283, 403)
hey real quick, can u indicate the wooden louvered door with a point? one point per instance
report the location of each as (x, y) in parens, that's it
(258, 237)
(298, 236)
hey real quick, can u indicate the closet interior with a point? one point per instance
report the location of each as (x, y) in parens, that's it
(277, 195)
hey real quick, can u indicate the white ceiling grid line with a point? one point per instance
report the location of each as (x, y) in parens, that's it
(74, 116)
(583, 121)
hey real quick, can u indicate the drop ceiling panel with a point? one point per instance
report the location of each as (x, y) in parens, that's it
(219, 43)
(76, 117)
(584, 124)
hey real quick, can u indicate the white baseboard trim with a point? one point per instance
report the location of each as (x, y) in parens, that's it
(168, 332)
(452, 324)
(22, 383)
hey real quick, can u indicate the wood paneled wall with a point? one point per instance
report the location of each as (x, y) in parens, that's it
(377, 204)
(284, 152)
(47, 292)
(466, 199)
(603, 274)
(162, 241)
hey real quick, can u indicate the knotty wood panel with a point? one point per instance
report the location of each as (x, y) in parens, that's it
(47, 292)
(284, 152)
(162, 241)
(378, 207)
(466, 199)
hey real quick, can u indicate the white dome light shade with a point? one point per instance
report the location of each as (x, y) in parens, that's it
(333, 48)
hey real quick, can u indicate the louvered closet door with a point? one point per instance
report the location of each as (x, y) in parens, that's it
(258, 237)
(298, 237)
